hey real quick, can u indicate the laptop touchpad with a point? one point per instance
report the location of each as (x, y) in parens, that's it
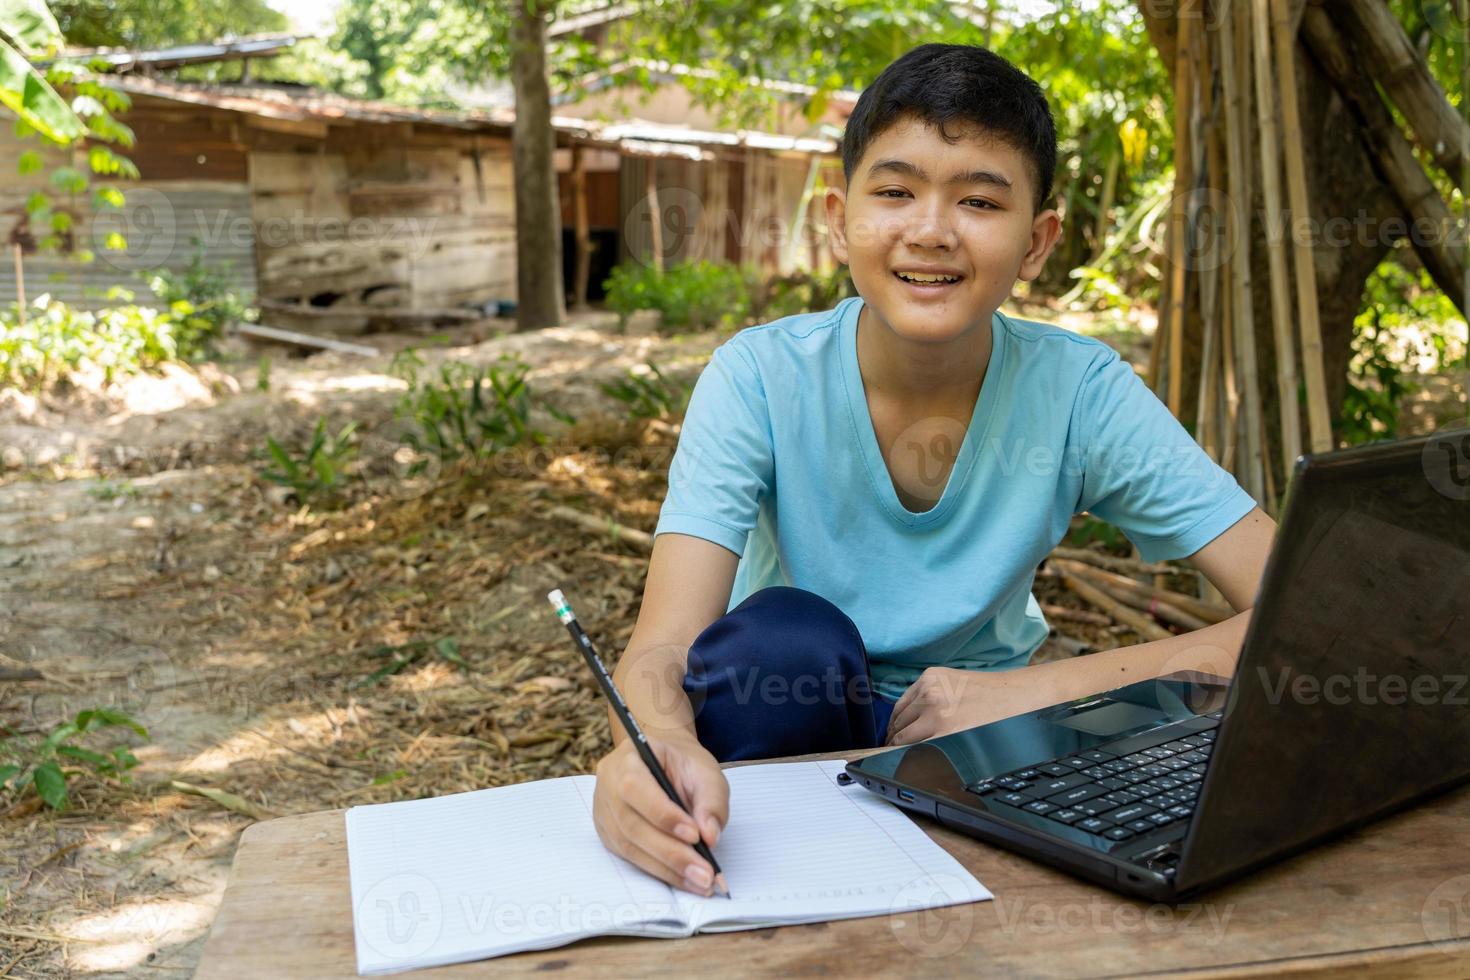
(1112, 718)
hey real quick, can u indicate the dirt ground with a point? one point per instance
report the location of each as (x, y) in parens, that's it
(145, 564)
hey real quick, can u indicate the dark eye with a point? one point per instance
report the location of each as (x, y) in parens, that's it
(984, 204)
(890, 191)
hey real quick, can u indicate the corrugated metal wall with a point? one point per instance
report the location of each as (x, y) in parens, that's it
(164, 224)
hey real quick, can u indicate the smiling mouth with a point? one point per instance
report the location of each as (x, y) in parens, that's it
(916, 279)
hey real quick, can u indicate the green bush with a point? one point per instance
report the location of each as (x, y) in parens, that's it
(1397, 304)
(702, 295)
(315, 473)
(801, 292)
(48, 765)
(468, 410)
(57, 340)
(202, 299)
(692, 295)
(650, 396)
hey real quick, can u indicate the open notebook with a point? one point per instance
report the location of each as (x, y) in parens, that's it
(497, 871)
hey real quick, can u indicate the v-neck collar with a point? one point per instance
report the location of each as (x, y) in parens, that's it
(867, 438)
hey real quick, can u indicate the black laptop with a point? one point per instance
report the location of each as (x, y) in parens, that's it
(1350, 701)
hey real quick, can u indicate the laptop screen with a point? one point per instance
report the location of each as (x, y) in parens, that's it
(1351, 695)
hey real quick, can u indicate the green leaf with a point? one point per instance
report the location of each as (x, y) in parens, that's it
(51, 784)
(7, 773)
(58, 735)
(30, 24)
(30, 162)
(448, 648)
(85, 755)
(33, 101)
(69, 179)
(112, 716)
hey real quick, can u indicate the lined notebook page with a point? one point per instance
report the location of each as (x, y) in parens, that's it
(799, 847)
(494, 871)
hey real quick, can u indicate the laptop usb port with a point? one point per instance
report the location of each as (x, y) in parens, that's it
(904, 794)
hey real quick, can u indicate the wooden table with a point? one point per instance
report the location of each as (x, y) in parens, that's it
(1391, 900)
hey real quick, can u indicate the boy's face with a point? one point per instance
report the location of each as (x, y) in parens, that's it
(920, 206)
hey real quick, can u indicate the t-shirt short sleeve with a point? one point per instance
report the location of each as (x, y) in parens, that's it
(1144, 473)
(724, 462)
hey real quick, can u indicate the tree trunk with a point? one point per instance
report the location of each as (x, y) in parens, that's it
(1343, 190)
(1391, 59)
(539, 295)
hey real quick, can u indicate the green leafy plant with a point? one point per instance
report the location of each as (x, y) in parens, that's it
(201, 298)
(445, 648)
(49, 764)
(650, 396)
(106, 490)
(317, 472)
(468, 410)
(1407, 325)
(801, 292)
(263, 374)
(697, 295)
(55, 340)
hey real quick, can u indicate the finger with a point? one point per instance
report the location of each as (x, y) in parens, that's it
(904, 714)
(711, 802)
(644, 795)
(910, 733)
(664, 857)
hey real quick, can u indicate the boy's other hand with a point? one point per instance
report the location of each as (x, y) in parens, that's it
(638, 822)
(945, 700)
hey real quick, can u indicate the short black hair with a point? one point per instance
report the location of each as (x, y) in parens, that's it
(965, 83)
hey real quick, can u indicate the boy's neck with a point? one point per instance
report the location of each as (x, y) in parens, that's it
(903, 372)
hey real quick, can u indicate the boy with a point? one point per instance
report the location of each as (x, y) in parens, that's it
(861, 496)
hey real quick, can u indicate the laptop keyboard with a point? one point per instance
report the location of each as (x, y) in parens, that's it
(1118, 790)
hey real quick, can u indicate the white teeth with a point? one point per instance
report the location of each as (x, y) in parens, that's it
(920, 277)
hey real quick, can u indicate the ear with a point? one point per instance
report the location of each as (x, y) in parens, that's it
(835, 202)
(1045, 230)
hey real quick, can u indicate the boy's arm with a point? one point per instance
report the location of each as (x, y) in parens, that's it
(687, 589)
(946, 700)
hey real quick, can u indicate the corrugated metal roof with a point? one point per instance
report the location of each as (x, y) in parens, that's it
(261, 46)
(274, 102)
(311, 104)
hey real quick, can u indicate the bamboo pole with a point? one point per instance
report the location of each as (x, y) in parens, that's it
(1319, 422)
(1392, 154)
(1243, 322)
(1132, 618)
(1229, 391)
(1203, 612)
(1189, 19)
(1281, 325)
(1206, 431)
(1388, 56)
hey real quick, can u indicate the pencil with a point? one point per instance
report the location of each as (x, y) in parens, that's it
(620, 708)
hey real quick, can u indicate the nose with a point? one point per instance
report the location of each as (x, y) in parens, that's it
(931, 227)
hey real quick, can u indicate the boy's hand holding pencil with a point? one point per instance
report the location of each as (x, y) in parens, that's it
(638, 822)
(658, 803)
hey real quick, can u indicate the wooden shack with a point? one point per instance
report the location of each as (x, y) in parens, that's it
(317, 202)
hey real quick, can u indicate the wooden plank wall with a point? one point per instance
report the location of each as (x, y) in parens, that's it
(420, 220)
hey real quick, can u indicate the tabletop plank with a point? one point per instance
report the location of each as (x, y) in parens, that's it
(1391, 899)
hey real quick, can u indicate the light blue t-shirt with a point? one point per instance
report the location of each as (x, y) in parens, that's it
(778, 462)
